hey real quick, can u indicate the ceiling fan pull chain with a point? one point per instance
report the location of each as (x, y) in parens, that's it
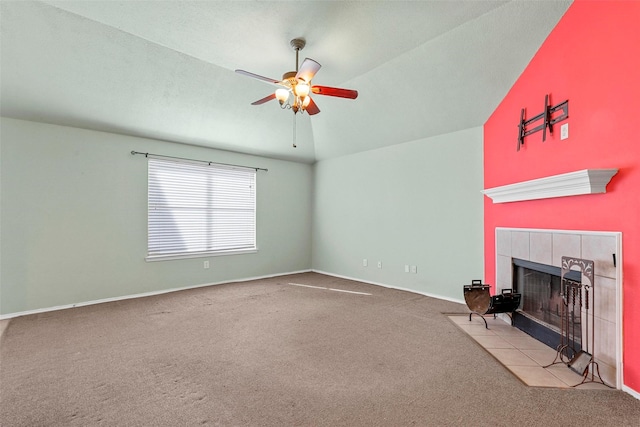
(294, 131)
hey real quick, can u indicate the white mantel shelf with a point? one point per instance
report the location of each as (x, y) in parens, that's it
(587, 181)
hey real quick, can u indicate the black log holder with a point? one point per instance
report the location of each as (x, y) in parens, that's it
(480, 301)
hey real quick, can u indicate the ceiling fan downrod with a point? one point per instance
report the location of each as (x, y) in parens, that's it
(298, 45)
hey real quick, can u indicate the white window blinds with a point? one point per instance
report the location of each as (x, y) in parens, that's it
(198, 209)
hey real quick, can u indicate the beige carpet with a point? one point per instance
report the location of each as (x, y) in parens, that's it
(267, 353)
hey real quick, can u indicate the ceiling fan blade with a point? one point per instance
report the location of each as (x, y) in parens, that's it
(307, 70)
(265, 99)
(255, 76)
(312, 108)
(335, 91)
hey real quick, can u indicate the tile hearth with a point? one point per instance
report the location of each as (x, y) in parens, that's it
(521, 354)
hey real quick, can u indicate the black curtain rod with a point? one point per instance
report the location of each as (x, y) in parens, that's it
(201, 161)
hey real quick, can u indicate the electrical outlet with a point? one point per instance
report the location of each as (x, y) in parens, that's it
(406, 268)
(414, 269)
(365, 262)
(379, 264)
(564, 131)
(206, 264)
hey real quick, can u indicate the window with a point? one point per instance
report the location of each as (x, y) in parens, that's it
(200, 210)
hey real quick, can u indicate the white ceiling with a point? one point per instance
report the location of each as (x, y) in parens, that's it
(165, 69)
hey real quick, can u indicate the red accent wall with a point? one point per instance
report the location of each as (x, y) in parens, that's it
(591, 58)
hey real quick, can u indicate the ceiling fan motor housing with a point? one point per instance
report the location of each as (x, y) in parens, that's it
(290, 77)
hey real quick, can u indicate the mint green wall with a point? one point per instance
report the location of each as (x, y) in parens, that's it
(417, 203)
(73, 218)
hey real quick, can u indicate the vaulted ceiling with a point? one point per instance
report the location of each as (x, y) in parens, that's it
(165, 69)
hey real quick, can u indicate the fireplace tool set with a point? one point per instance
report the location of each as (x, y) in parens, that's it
(576, 298)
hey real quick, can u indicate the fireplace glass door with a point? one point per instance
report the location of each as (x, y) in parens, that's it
(540, 312)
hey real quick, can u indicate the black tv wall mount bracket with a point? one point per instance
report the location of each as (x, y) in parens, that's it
(548, 117)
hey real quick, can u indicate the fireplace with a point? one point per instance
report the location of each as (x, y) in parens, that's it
(540, 312)
(535, 248)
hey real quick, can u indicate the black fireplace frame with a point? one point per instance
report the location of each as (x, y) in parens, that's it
(543, 333)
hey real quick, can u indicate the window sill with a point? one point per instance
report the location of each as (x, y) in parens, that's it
(200, 255)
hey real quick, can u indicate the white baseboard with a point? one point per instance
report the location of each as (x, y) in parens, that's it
(384, 285)
(141, 295)
(632, 392)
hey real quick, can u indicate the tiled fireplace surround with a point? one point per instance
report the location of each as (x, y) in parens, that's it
(548, 247)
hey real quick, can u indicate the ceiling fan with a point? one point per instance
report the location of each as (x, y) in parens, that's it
(295, 88)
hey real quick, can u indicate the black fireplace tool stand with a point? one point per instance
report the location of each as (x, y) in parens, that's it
(575, 298)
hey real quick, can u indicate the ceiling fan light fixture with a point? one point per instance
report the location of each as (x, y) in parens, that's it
(302, 90)
(305, 102)
(282, 95)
